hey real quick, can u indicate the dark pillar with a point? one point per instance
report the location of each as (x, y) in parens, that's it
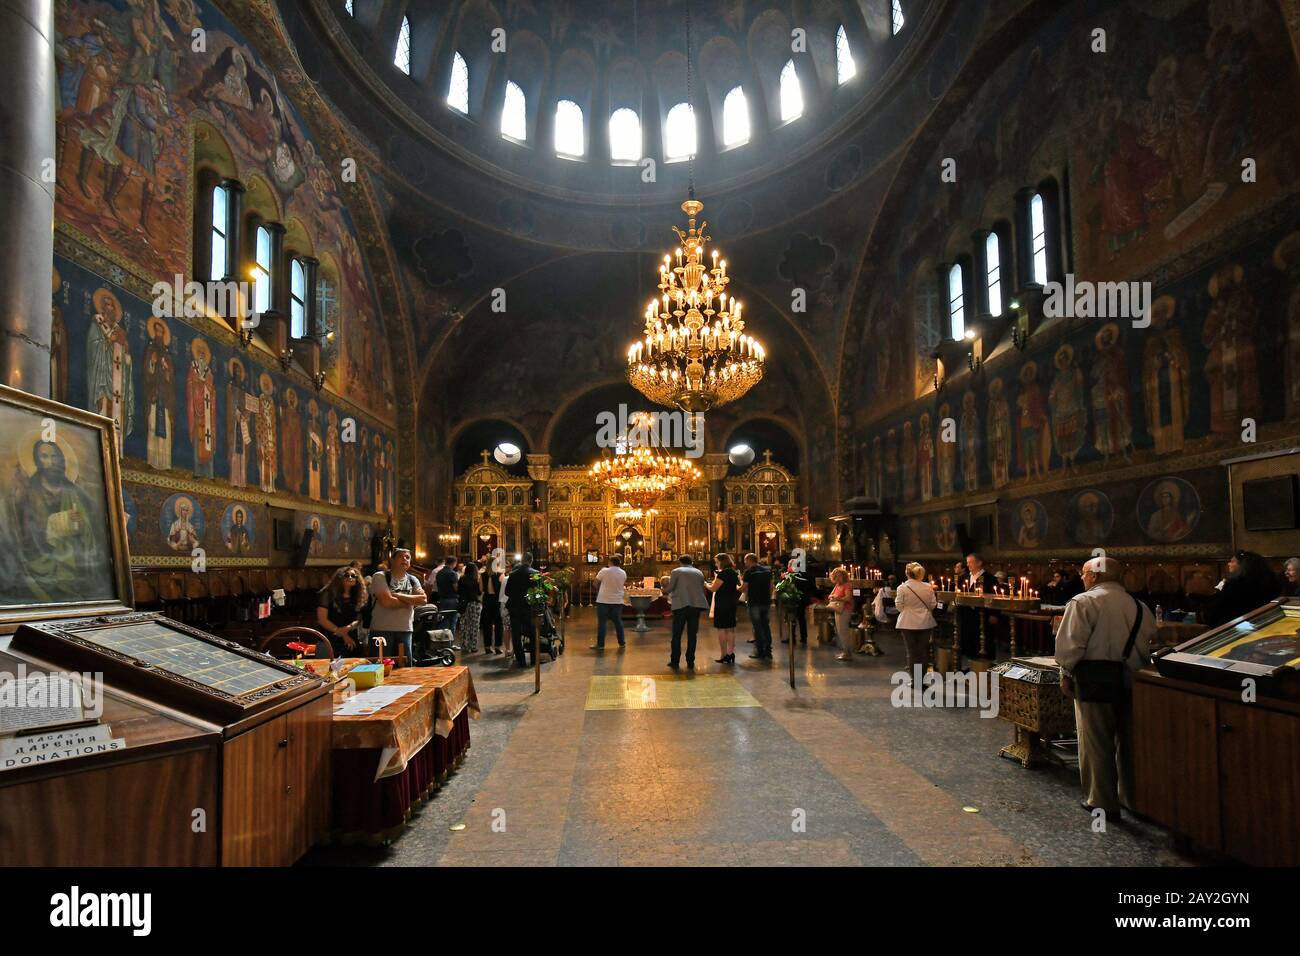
(27, 224)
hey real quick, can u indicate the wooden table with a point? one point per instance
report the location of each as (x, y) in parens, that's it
(385, 763)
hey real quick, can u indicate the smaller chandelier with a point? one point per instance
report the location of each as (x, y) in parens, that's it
(629, 515)
(694, 354)
(640, 476)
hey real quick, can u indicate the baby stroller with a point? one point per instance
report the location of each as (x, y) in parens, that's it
(549, 640)
(434, 645)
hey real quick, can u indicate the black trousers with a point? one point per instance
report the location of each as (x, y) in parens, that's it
(490, 624)
(687, 618)
(521, 627)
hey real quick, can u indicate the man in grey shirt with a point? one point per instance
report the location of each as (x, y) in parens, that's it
(397, 594)
(686, 592)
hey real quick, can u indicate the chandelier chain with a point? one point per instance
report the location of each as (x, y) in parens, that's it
(690, 100)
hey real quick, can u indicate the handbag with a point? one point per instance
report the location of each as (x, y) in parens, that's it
(1102, 682)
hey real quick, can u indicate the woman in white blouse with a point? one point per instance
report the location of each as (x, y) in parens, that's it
(915, 602)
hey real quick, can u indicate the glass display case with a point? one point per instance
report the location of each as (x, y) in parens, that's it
(1264, 645)
(181, 666)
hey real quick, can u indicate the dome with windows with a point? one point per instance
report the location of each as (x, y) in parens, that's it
(596, 101)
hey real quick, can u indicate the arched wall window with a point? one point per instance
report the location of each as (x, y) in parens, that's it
(220, 233)
(458, 87)
(402, 56)
(956, 301)
(845, 68)
(514, 114)
(1037, 239)
(263, 269)
(570, 139)
(735, 118)
(791, 94)
(993, 274)
(679, 133)
(897, 16)
(297, 299)
(624, 136)
(347, 6)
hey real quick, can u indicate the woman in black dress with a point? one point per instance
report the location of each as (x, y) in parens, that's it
(726, 595)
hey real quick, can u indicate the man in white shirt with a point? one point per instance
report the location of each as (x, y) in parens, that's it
(1096, 626)
(609, 600)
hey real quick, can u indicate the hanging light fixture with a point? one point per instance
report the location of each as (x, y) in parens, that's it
(694, 353)
(638, 474)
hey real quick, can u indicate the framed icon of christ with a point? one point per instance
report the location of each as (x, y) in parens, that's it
(63, 546)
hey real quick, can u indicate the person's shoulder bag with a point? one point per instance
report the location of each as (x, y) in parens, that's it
(1102, 682)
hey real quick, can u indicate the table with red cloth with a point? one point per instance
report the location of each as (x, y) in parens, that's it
(387, 762)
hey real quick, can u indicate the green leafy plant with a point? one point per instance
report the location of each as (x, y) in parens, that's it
(541, 589)
(787, 591)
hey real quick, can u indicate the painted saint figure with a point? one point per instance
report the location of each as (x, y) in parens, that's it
(237, 541)
(1229, 335)
(999, 433)
(909, 463)
(925, 457)
(266, 416)
(111, 391)
(315, 451)
(63, 530)
(291, 453)
(241, 409)
(1112, 413)
(946, 454)
(1165, 370)
(1069, 407)
(201, 407)
(182, 535)
(333, 455)
(970, 443)
(1031, 424)
(159, 394)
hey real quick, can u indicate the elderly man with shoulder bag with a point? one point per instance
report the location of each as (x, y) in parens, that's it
(1104, 638)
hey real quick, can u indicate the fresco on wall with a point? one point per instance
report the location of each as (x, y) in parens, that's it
(222, 416)
(1153, 146)
(125, 132)
(1120, 396)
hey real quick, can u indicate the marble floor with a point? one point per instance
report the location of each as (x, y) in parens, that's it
(619, 762)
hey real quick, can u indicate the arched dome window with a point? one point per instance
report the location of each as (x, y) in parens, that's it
(898, 16)
(402, 58)
(514, 114)
(624, 136)
(791, 95)
(735, 118)
(993, 273)
(458, 88)
(845, 68)
(569, 138)
(679, 133)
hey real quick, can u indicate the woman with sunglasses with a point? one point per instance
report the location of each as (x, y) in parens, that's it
(338, 612)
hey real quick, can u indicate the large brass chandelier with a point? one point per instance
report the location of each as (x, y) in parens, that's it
(640, 476)
(694, 353)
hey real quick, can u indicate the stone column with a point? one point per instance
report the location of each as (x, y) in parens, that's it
(715, 471)
(27, 198)
(539, 469)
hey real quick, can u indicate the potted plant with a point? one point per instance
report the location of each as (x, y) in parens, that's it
(788, 596)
